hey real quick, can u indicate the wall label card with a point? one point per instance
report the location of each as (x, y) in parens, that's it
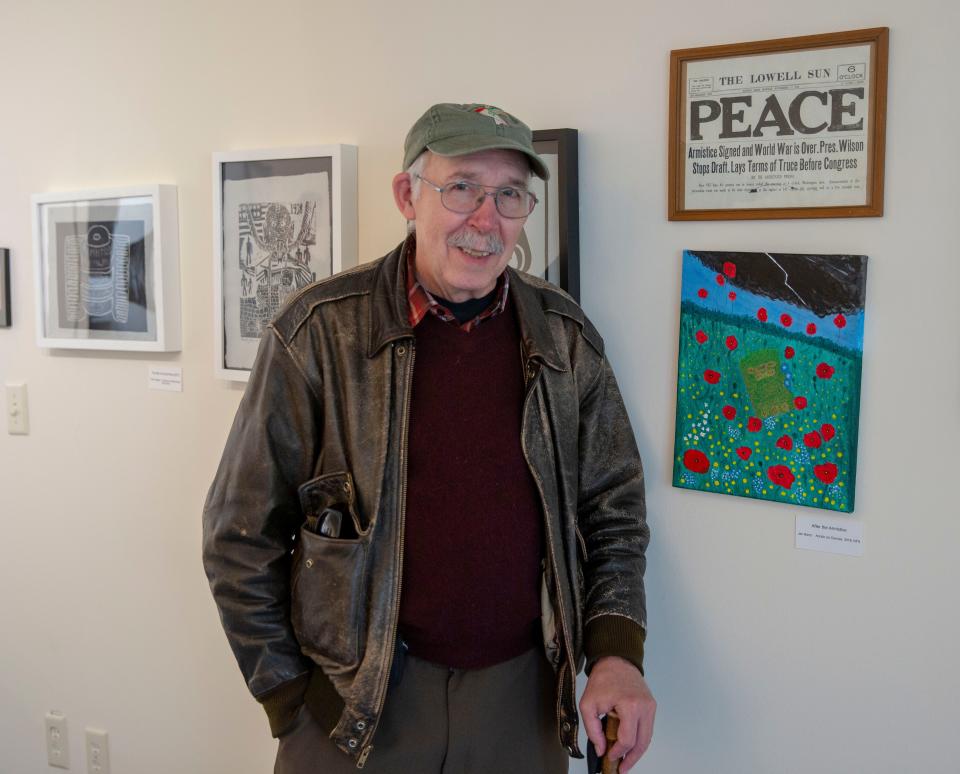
(169, 378)
(829, 534)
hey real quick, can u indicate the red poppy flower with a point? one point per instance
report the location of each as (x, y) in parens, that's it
(762, 314)
(780, 475)
(754, 425)
(825, 371)
(729, 412)
(785, 442)
(731, 343)
(840, 321)
(811, 328)
(744, 452)
(711, 377)
(732, 296)
(789, 352)
(800, 402)
(827, 472)
(721, 279)
(812, 440)
(828, 431)
(730, 269)
(702, 292)
(696, 460)
(701, 337)
(786, 320)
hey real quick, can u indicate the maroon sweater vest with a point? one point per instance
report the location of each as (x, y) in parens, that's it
(473, 535)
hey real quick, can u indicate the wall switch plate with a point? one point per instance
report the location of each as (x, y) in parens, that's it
(98, 752)
(18, 420)
(58, 745)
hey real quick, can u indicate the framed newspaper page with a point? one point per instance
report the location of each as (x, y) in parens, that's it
(789, 128)
(283, 219)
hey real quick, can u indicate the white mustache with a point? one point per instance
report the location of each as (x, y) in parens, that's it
(467, 238)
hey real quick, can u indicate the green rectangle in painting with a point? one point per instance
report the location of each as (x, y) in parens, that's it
(764, 381)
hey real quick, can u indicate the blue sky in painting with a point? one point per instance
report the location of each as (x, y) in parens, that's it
(696, 276)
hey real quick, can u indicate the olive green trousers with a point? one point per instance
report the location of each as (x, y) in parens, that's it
(448, 721)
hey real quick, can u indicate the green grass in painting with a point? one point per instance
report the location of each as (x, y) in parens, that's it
(702, 425)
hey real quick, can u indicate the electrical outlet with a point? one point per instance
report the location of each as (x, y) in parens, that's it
(58, 745)
(98, 752)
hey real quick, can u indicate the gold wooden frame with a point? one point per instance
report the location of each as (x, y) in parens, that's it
(877, 38)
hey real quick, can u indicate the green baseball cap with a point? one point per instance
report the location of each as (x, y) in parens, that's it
(456, 130)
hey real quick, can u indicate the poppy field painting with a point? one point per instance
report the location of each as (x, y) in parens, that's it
(768, 382)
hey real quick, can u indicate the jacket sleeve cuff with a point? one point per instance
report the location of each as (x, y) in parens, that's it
(283, 702)
(613, 635)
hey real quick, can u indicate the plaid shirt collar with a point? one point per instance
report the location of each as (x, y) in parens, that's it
(421, 301)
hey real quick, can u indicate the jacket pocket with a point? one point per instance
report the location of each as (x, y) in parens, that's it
(328, 583)
(334, 491)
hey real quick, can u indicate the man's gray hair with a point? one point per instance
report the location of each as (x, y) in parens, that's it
(415, 170)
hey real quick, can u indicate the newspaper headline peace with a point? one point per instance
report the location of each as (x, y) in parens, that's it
(786, 134)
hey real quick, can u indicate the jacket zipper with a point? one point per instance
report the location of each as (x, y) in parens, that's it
(362, 760)
(553, 562)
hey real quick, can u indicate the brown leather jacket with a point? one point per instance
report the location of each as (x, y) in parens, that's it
(323, 422)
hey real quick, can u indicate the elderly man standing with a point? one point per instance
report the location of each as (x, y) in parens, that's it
(429, 515)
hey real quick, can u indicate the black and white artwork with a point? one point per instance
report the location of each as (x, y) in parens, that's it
(536, 250)
(104, 282)
(107, 274)
(274, 258)
(549, 243)
(5, 321)
(276, 240)
(98, 266)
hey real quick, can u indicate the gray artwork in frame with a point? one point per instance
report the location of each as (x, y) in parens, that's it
(283, 219)
(5, 318)
(107, 269)
(549, 245)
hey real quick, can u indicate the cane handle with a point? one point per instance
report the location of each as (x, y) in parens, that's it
(611, 766)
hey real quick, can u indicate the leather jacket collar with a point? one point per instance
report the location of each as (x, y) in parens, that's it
(388, 310)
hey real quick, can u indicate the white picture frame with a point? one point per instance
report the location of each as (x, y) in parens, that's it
(107, 269)
(283, 218)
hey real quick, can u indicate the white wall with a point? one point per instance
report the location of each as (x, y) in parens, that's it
(764, 659)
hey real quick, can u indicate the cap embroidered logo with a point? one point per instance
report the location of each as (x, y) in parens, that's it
(490, 112)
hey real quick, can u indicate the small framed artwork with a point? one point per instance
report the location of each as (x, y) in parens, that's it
(788, 128)
(107, 269)
(283, 218)
(5, 321)
(549, 245)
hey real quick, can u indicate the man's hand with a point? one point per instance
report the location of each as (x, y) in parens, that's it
(616, 684)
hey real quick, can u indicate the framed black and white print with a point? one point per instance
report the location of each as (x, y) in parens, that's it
(283, 218)
(107, 269)
(549, 246)
(5, 321)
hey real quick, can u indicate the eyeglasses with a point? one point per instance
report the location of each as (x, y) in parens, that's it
(463, 197)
